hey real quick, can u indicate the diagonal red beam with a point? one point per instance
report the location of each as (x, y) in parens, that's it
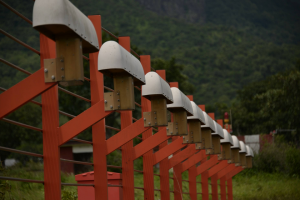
(168, 150)
(193, 160)
(225, 171)
(150, 143)
(182, 155)
(82, 122)
(125, 135)
(234, 172)
(215, 169)
(23, 92)
(207, 164)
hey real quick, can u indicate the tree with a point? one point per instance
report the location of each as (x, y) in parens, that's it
(270, 104)
(174, 73)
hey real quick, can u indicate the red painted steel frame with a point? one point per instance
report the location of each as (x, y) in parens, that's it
(147, 157)
(98, 129)
(163, 164)
(50, 121)
(149, 143)
(177, 181)
(229, 181)
(214, 178)
(54, 136)
(28, 88)
(202, 169)
(222, 176)
(127, 149)
(190, 165)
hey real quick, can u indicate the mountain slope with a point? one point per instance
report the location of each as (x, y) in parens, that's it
(240, 41)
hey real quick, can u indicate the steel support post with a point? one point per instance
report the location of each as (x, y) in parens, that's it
(147, 157)
(164, 175)
(163, 165)
(50, 122)
(175, 162)
(127, 149)
(204, 185)
(164, 153)
(202, 169)
(192, 169)
(214, 187)
(229, 176)
(229, 189)
(222, 176)
(193, 182)
(223, 188)
(98, 129)
(177, 181)
(190, 165)
(213, 174)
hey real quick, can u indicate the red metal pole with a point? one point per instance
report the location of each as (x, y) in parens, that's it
(192, 182)
(223, 188)
(229, 189)
(176, 162)
(202, 169)
(174, 84)
(163, 165)
(214, 187)
(222, 176)
(164, 175)
(205, 176)
(204, 184)
(213, 173)
(147, 157)
(50, 122)
(98, 130)
(177, 181)
(192, 171)
(127, 149)
(229, 176)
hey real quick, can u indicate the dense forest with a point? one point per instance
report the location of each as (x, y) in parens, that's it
(228, 57)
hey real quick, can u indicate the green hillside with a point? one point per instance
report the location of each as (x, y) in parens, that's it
(240, 41)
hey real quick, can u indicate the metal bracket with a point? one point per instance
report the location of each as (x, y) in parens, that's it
(222, 156)
(170, 129)
(150, 119)
(199, 146)
(210, 151)
(112, 101)
(54, 70)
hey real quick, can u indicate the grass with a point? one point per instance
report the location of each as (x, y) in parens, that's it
(15, 190)
(246, 185)
(265, 186)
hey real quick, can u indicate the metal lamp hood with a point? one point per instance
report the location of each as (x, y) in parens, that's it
(113, 59)
(209, 123)
(61, 17)
(198, 113)
(156, 86)
(243, 147)
(181, 101)
(249, 151)
(236, 142)
(219, 131)
(227, 138)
